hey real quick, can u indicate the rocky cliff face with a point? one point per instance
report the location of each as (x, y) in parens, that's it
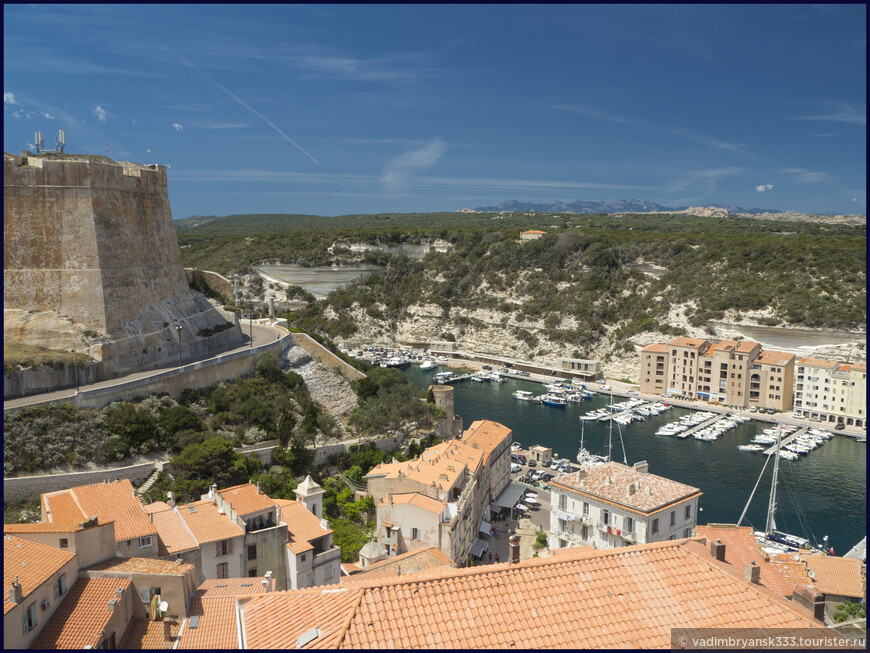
(89, 247)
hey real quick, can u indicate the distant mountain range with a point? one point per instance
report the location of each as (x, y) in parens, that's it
(615, 206)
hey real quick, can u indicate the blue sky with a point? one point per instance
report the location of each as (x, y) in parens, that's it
(364, 109)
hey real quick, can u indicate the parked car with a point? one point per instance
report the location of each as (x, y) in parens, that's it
(632, 392)
(840, 426)
(516, 468)
(538, 475)
(797, 415)
(667, 394)
(605, 387)
(771, 411)
(533, 463)
(487, 367)
(752, 409)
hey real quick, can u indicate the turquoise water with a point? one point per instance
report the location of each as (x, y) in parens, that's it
(823, 493)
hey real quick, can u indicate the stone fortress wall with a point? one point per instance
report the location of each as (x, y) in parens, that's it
(89, 245)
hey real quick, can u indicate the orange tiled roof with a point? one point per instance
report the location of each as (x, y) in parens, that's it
(151, 635)
(658, 347)
(833, 575)
(770, 357)
(406, 563)
(157, 506)
(80, 619)
(144, 566)
(614, 481)
(214, 602)
(683, 341)
(62, 507)
(418, 500)
(32, 562)
(439, 466)
(859, 367)
(534, 231)
(246, 499)
(746, 346)
(114, 501)
(303, 526)
(487, 435)
(172, 536)
(628, 597)
(206, 523)
(817, 362)
(42, 528)
(741, 549)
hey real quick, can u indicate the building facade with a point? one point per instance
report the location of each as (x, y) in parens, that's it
(829, 391)
(613, 505)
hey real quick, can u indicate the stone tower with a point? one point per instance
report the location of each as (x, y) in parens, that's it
(90, 249)
(450, 426)
(311, 496)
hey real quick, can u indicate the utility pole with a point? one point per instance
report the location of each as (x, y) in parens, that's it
(251, 325)
(76, 366)
(178, 329)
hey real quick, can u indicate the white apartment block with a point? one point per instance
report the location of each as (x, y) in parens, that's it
(831, 392)
(613, 505)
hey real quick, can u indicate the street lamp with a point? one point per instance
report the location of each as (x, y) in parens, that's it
(251, 325)
(76, 368)
(178, 328)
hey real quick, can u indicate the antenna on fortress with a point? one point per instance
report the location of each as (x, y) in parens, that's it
(59, 142)
(40, 144)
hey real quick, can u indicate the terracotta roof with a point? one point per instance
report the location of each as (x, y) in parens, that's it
(214, 602)
(629, 597)
(42, 528)
(741, 549)
(817, 362)
(859, 367)
(534, 231)
(206, 523)
(833, 575)
(80, 619)
(114, 501)
(172, 536)
(441, 465)
(157, 506)
(418, 500)
(770, 357)
(724, 345)
(614, 482)
(144, 566)
(746, 346)
(148, 635)
(246, 499)
(32, 562)
(406, 563)
(487, 435)
(303, 526)
(683, 341)
(659, 347)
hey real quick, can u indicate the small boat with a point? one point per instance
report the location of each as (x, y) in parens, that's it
(428, 365)
(523, 395)
(400, 363)
(552, 399)
(750, 447)
(440, 377)
(788, 455)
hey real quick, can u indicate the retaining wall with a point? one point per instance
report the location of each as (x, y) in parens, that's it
(217, 282)
(325, 357)
(19, 488)
(46, 378)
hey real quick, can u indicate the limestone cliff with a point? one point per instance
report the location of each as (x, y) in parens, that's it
(90, 249)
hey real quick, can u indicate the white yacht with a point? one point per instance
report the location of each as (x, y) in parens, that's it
(428, 364)
(750, 447)
(523, 395)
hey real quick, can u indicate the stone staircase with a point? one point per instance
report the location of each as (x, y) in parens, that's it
(151, 480)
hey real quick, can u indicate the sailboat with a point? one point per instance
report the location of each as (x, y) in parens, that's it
(583, 456)
(771, 536)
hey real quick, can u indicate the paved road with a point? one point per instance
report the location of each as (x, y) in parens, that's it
(262, 335)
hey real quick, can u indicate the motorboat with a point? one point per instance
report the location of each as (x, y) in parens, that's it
(553, 399)
(398, 362)
(750, 447)
(428, 364)
(788, 455)
(523, 395)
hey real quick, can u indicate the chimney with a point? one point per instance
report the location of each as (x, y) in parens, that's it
(151, 517)
(717, 550)
(810, 600)
(642, 467)
(112, 604)
(212, 490)
(171, 502)
(16, 595)
(514, 546)
(632, 488)
(752, 572)
(119, 592)
(648, 490)
(259, 491)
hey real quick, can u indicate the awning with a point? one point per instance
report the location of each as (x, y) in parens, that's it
(485, 528)
(495, 509)
(510, 495)
(703, 394)
(478, 547)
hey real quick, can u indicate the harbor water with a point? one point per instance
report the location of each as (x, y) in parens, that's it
(822, 493)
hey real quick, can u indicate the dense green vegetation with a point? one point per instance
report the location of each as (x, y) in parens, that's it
(810, 274)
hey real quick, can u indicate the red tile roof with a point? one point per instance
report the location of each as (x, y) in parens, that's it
(418, 500)
(406, 563)
(42, 528)
(658, 347)
(303, 526)
(144, 566)
(839, 576)
(746, 346)
(817, 362)
(770, 357)
(151, 635)
(206, 523)
(439, 467)
(614, 482)
(80, 619)
(487, 436)
(172, 535)
(114, 501)
(628, 597)
(246, 499)
(32, 562)
(683, 341)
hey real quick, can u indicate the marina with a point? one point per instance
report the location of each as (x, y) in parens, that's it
(825, 490)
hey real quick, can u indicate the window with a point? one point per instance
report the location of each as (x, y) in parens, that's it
(252, 552)
(629, 525)
(328, 575)
(415, 533)
(223, 570)
(28, 619)
(688, 511)
(585, 509)
(64, 543)
(673, 517)
(144, 542)
(563, 502)
(224, 547)
(145, 594)
(302, 558)
(585, 533)
(563, 526)
(252, 573)
(687, 532)
(605, 516)
(655, 525)
(60, 586)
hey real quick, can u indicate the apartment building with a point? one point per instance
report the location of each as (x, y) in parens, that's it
(613, 505)
(736, 373)
(831, 392)
(442, 498)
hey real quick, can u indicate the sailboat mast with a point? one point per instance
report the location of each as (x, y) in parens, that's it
(771, 506)
(610, 439)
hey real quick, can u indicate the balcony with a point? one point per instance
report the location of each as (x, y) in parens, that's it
(325, 557)
(629, 537)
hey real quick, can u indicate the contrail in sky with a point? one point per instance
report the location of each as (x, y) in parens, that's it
(244, 104)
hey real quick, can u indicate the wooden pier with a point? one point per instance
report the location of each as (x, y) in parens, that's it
(772, 450)
(698, 427)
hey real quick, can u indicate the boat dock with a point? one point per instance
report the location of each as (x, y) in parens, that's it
(772, 450)
(613, 414)
(698, 427)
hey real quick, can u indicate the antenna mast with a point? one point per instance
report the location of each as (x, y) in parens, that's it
(59, 142)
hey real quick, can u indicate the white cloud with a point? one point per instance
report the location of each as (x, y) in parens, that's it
(807, 176)
(397, 170)
(9, 98)
(101, 114)
(839, 111)
(761, 188)
(177, 127)
(854, 199)
(46, 114)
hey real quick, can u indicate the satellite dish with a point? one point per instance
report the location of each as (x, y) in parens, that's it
(164, 606)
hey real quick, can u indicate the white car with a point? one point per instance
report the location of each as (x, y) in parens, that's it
(516, 468)
(538, 475)
(667, 394)
(632, 392)
(797, 416)
(605, 387)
